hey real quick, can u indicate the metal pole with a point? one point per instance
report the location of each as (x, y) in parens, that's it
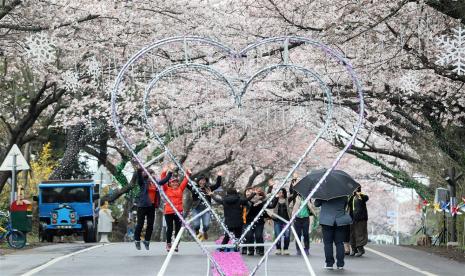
(397, 216)
(170, 254)
(302, 250)
(100, 190)
(266, 265)
(13, 180)
(299, 243)
(208, 267)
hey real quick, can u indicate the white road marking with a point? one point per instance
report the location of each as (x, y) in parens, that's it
(57, 259)
(399, 262)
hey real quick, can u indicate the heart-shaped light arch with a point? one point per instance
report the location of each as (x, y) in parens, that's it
(243, 53)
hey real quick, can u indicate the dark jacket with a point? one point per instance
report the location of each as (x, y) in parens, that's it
(358, 207)
(281, 209)
(333, 211)
(232, 205)
(196, 202)
(144, 200)
(253, 211)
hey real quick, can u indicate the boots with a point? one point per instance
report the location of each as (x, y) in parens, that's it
(137, 243)
(360, 251)
(146, 244)
(354, 251)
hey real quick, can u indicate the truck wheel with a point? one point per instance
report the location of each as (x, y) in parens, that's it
(89, 232)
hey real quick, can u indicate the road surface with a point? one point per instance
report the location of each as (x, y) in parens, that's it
(124, 259)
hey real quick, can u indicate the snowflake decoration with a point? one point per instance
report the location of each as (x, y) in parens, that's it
(93, 68)
(40, 48)
(453, 50)
(409, 83)
(71, 80)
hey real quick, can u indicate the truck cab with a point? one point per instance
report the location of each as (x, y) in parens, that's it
(67, 207)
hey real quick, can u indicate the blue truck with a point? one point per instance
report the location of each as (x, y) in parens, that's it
(67, 207)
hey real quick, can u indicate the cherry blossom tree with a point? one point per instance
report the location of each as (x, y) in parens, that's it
(64, 57)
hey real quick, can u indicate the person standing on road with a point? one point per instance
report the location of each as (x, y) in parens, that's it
(280, 205)
(148, 201)
(232, 203)
(198, 206)
(333, 221)
(358, 229)
(174, 191)
(303, 218)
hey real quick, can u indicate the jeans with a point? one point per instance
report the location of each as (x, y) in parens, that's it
(170, 220)
(302, 227)
(142, 213)
(278, 227)
(334, 234)
(205, 219)
(255, 235)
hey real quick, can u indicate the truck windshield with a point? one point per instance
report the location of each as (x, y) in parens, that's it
(65, 194)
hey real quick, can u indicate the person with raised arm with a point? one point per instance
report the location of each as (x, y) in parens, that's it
(147, 202)
(174, 191)
(198, 206)
(232, 203)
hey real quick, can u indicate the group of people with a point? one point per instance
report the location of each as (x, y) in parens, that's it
(343, 220)
(173, 187)
(241, 210)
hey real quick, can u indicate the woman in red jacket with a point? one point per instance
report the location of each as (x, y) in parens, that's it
(174, 191)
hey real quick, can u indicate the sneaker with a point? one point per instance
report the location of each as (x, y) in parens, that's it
(177, 248)
(137, 243)
(360, 251)
(168, 247)
(278, 252)
(340, 268)
(286, 252)
(329, 267)
(205, 236)
(146, 244)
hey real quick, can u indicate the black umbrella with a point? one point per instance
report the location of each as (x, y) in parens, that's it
(337, 184)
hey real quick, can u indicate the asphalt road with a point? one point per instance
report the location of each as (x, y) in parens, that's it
(124, 259)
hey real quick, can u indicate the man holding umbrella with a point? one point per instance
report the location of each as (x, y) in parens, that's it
(332, 197)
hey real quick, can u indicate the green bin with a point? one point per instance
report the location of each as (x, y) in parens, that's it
(21, 215)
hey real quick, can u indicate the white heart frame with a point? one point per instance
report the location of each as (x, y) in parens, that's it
(237, 97)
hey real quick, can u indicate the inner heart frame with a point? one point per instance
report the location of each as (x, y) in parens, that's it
(237, 95)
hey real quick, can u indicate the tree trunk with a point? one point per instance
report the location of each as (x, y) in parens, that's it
(74, 144)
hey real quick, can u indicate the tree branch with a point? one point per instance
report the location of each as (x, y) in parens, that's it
(8, 8)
